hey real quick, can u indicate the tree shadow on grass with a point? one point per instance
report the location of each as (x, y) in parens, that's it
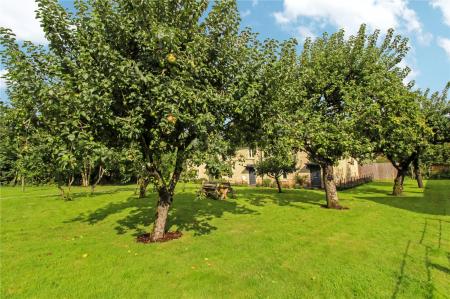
(186, 214)
(434, 246)
(402, 271)
(289, 197)
(414, 204)
(431, 201)
(86, 192)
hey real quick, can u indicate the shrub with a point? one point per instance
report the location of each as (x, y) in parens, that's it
(267, 182)
(441, 175)
(300, 179)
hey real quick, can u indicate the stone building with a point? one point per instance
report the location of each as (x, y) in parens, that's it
(244, 171)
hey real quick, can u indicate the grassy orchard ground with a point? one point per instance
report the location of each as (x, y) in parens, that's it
(262, 244)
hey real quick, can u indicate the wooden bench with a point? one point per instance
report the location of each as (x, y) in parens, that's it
(216, 190)
(229, 189)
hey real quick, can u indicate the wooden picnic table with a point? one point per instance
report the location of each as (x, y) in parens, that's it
(217, 190)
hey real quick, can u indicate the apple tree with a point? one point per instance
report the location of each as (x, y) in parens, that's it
(165, 75)
(337, 77)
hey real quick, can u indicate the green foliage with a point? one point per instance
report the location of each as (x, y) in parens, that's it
(404, 129)
(163, 75)
(190, 175)
(403, 124)
(336, 78)
(436, 154)
(52, 101)
(216, 169)
(269, 85)
(23, 155)
(217, 158)
(267, 182)
(276, 164)
(300, 179)
(273, 80)
(436, 111)
(166, 78)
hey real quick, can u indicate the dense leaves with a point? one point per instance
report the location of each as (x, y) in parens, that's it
(277, 164)
(338, 78)
(163, 76)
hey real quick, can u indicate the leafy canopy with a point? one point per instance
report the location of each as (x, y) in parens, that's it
(336, 78)
(163, 75)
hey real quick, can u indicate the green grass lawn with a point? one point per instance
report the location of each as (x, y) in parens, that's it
(260, 245)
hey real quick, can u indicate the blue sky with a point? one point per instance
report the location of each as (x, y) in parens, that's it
(425, 23)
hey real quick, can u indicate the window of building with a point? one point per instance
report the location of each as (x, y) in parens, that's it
(284, 175)
(251, 152)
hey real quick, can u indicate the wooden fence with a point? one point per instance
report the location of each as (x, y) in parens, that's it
(379, 171)
(353, 182)
(439, 168)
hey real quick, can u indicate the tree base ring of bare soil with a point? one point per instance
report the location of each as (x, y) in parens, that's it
(338, 207)
(146, 238)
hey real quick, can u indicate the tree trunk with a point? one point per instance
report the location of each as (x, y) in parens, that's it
(69, 186)
(15, 179)
(398, 182)
(101, 172)
(23, 183)
(83, 179)
(165, 191)
(277, 180)
(418, 173)
(143, 183)
(142, 190)
(330, 187)
(86, 175)
(162, 210)
(61, 190)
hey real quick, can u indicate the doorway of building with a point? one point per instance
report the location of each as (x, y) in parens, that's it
(316, 180)
(251, 176)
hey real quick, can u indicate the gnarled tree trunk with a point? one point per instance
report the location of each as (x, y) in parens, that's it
(162, 210)
(398, 182)
(143, 183)
(402, 169)
(418, 173)
(166, 189)
(142, 190)
(165, 192)
(330, 187)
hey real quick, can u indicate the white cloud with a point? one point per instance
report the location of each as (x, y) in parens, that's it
(245, 13)
(254, 3)
(2, 80)
(410, 61)
(444, 6)
(444, 43)
(350, 14)
(413, 74)
(20, 17)
(305, 31)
